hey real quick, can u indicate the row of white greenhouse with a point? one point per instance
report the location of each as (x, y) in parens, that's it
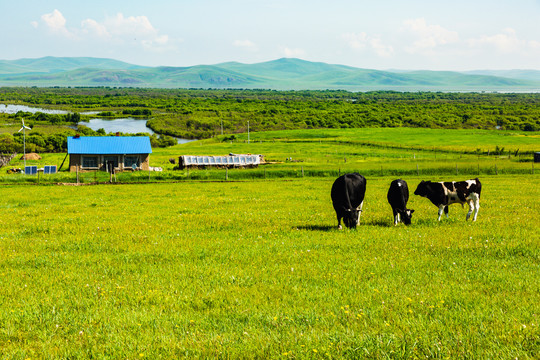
(233, 160)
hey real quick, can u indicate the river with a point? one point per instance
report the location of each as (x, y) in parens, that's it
(125, 125)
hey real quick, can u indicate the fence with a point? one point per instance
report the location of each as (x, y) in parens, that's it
(262, 173)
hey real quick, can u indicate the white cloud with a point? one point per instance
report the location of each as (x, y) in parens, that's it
(533, 45)
(287, 52)
(507, 45)
(381, 49)
(54, 20)
(245, 44)
(427, 36)
(118, 29)
(157, 44)
(505, 42)
(360, 41)
(356, 41)
(90, 26)
(131, 25)
(56, 23)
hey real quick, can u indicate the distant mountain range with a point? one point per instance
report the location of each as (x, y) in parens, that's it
(281, 74)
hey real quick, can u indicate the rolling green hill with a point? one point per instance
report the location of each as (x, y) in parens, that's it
(281, 74)
(513, 74)
(52, 64)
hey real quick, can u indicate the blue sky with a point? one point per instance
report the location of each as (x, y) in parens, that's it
(415, 34)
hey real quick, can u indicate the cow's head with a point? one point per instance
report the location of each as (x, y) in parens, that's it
(350, 218)
(406, 216)
(422, 188)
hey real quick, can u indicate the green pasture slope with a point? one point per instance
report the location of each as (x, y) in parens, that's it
(253, 267)
(256, 269)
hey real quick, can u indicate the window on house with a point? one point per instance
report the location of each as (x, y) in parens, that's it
(89, 162)
(131, 160)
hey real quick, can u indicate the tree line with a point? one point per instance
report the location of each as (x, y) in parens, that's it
(198, 113)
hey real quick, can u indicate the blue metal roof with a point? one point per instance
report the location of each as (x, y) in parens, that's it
(109, 145)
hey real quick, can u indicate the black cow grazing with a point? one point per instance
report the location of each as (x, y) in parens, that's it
(347, 194)
(397, 196)
(443, 194)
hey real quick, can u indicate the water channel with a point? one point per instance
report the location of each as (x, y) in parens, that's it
(125, 125)
(13, 109)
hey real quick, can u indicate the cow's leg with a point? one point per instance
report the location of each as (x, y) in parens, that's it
(441, 209)
(446, 211)
(396, 216)
(471, 207)
(359, 212)
(476, 206)
(339, 223)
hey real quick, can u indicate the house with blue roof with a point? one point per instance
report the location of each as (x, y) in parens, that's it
(121, 153)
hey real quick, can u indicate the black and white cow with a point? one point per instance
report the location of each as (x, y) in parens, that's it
(347, 194)
(445, 193)
(398, 195)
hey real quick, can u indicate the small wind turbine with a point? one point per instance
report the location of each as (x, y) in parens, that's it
(23, 129)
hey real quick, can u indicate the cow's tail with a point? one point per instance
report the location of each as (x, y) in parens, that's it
(478, 187)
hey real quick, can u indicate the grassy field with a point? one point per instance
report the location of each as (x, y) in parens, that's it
(253, 267)
(256, 269)
(429, 139)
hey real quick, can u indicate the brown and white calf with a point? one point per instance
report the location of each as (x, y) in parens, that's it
(442, 194)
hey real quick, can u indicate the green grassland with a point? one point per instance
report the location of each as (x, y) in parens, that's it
(326, 153)
(256, 269)
(450, 140)
(168, 266)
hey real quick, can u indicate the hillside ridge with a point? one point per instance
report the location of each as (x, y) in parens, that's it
(279, 74)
